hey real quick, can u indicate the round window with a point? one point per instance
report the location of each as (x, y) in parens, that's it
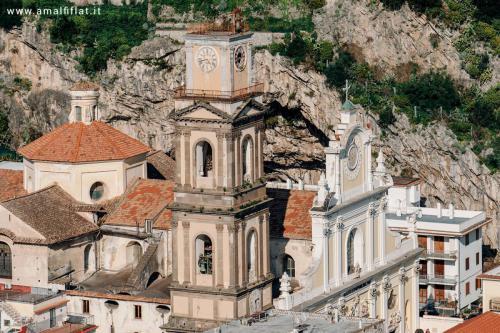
(97, 191)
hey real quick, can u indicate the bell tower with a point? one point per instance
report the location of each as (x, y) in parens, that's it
(220, 222)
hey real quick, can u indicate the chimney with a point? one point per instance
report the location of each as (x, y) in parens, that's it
(440, 210)
(289, 184)
(451, 211)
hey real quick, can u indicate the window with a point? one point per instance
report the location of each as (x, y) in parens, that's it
(97, 191)
(354, 244)
(53, 320)
(478, 233)
(148, 226)
(94, 112)
(137, 312)
(204, 162)
(478, 284)
(78, 113)
(467, 264)
(5, 261)
(86, 306)
(466, 239)
(247, 159)
(204, 254)
(289, 265)
(252, 256)
(467, 288)
(86, 257)
(422, 241)
(477, 258)
(6, 322)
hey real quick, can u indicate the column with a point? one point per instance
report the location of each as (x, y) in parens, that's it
(233, 255)
(237, 171)
(402, 305)
(369, 239)
(386, 288)
(267, 261)
(381, 216)
(416, 292)
(236, 255)
(326, 237)
(219, 247)
(340, 255)
(244, 268)
(188, 164)
(229, 165)
(260, 252)
(187, 257)
(175, 278)
(219, 160)
(373, 300)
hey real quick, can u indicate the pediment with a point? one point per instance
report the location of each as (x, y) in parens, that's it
(202, 113)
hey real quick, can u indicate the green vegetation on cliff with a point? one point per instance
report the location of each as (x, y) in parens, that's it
(474, 116)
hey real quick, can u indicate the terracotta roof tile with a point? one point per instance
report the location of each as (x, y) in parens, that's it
(405, 181)
(162, 164)
(78, 142)
(11, 184)
(145, 199)
(52, 213)
(488, 322)
(84, 86)
(290, 216)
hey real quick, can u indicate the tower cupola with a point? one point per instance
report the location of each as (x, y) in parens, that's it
(84, 98)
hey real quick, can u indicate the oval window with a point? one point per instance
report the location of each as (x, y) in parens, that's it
(97, 191)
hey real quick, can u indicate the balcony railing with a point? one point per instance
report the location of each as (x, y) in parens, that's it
(80, 318)
(438, 307)
(441, 254)
(219, 95)
(438, 279)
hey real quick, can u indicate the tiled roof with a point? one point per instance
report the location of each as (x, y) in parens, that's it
(84, 86)
(11, 184)
(51, 212)
(405, 181)
(160, 164)
(488, 322)
(145, 199)
(79, 142)
(290, 216)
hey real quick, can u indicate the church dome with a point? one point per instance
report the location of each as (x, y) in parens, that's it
(79, 143)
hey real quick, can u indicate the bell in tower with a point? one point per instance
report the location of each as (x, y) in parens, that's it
(220, 228)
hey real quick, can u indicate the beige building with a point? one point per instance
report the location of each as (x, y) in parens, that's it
(220, 223)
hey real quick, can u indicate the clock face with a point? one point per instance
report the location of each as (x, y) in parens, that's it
(353, 156)
(206, 59)
(353, 159)
(240, 58)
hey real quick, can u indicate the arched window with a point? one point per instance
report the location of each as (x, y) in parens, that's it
(247, 159)
(78, 113)
(350, 252)
(5, 261)
(204, 161)
(86, 257)
(289, 265)
(252, 256)
(94, 112)
(204, 254)
(133, 253)
(354, 251)
(97, 191)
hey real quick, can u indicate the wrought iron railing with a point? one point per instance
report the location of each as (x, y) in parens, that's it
(239, 94)
(441, 254)
(438, 278)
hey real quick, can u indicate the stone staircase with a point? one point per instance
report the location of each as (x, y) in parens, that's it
(140, 274)
(12, 313)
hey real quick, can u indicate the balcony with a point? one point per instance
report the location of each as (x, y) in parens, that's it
(438, 307)
(449, 280)
(220, 95)
(441, 254)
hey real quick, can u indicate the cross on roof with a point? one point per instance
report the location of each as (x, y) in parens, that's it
(346, 89)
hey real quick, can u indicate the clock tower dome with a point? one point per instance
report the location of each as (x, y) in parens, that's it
(220, 221)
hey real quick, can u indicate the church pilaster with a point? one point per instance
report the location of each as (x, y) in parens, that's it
(402, 305)
(185, 228)
(175, 264)
(220, 254)
(382, 229)
(386, 289)
(370, 251)
(326, 254)
(339, 256)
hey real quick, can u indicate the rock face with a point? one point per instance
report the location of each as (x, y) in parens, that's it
(137, 96)
(389, 40)
(451, 173)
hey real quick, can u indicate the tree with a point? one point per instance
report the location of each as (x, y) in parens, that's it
(10, 20)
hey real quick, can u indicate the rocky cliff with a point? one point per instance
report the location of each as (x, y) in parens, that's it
(136, 97)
